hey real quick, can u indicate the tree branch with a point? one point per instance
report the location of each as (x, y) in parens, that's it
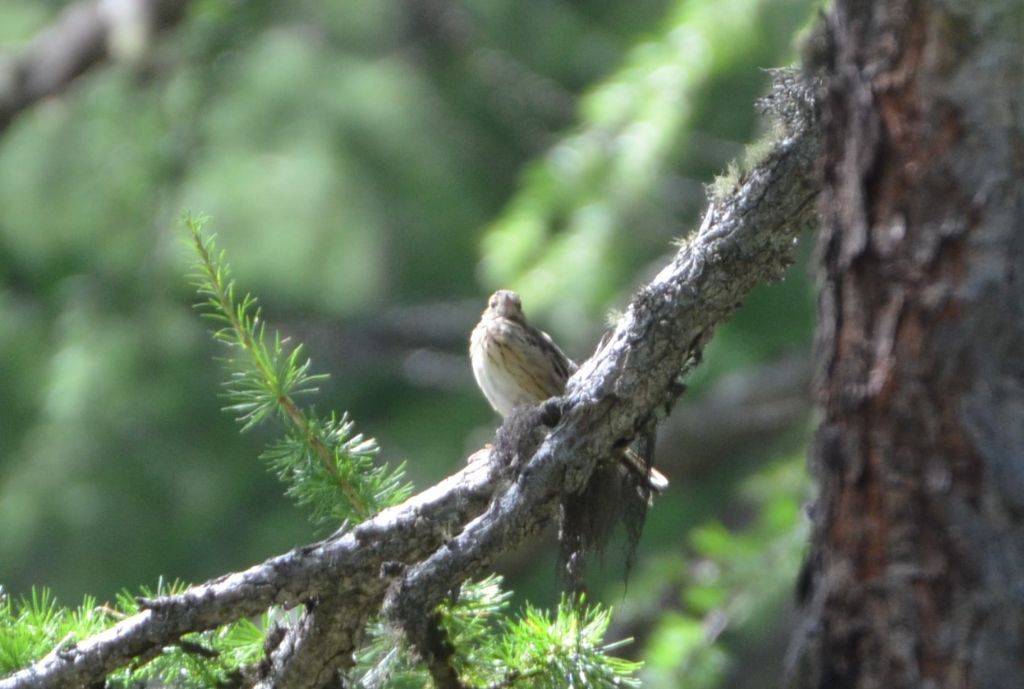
(343, 562)
(85, 35)
(746, 238)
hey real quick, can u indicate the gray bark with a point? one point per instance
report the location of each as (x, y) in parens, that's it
(915, 574)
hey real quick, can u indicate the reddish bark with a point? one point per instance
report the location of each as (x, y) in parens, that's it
(916, 572)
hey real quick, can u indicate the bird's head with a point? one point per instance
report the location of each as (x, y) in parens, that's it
(505, 304)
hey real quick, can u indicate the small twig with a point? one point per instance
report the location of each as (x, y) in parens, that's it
(513, 677)
(432, 643)
(246, 337)
(193, 648)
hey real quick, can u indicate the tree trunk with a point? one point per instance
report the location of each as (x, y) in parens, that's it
(915, 577)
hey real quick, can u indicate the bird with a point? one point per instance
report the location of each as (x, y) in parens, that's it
(517, 365)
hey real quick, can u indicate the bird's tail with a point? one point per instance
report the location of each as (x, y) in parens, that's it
(635, 464)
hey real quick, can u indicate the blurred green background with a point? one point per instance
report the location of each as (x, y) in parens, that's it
(374, 169)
